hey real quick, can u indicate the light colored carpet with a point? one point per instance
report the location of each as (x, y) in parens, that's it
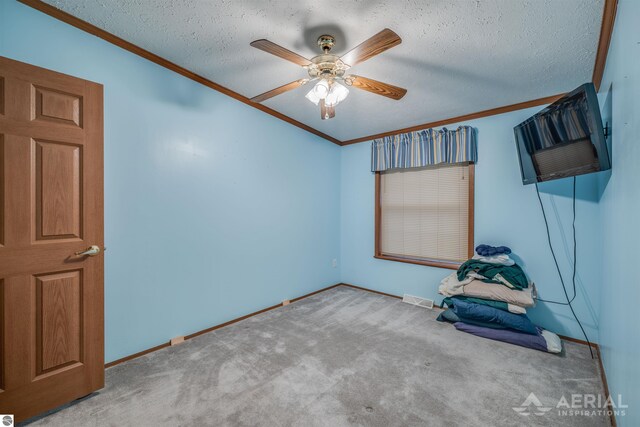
(341, 357)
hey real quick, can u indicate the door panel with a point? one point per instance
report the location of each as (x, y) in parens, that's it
(58, 320)
(1, 338)
(57, 190)
(57, 107)
(1, 191)
(1, 95)
(51, 206)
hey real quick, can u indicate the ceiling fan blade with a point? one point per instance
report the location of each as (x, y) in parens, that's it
(326, 112)
(280, 51)
(379, 88)
(279, 90)
(385, 39)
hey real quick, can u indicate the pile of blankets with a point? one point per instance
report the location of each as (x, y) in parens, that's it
(489, 295)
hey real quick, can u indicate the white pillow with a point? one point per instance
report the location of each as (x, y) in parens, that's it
(554, 344)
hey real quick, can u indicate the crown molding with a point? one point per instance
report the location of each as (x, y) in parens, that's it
(113, 39)
(472, 116)
(606, 30)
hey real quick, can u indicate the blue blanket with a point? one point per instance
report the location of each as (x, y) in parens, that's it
(536, 342)
(485, 314)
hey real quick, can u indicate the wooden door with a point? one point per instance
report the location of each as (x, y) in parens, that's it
(51, 206)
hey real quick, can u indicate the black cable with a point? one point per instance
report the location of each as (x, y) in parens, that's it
(544, 215)
(564, 288)
(575, 250)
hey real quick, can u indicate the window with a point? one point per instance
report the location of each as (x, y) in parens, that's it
(425, 216)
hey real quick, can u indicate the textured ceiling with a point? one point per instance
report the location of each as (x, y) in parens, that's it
(457, 56)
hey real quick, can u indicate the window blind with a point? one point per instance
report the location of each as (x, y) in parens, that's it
(425, 213)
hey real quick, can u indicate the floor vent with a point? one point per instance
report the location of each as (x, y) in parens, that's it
(420, 302)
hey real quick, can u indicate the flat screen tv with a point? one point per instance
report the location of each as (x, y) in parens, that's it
(565, 139)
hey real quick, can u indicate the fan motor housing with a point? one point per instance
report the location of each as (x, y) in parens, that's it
(326, 65)
(326, 42)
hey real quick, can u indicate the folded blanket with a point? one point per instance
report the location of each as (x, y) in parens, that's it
(450, 285)
(523, 298)
(496, 259)
(501, 305)
(508, 275)
(543, 341)
(492, 316)
(450, 316)
(470, 287)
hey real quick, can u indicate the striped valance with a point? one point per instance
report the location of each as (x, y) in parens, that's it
(423, 148)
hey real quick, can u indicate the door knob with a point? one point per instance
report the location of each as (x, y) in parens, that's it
(91, 251)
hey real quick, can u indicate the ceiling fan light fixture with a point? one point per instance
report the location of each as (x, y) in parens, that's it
(311, 96)
(321, 89)
(336, 95)
(327, 69)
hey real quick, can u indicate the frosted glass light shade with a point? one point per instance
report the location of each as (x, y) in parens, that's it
(311, 96)
(336, 95)
(321, 89)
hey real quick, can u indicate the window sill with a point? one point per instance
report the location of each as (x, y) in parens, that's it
(452, 265)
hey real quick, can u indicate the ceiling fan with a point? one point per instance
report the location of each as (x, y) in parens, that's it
(329, 71)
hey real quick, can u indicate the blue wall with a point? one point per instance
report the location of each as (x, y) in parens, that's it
(620, 293)
(506, 213)
(213, 208)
